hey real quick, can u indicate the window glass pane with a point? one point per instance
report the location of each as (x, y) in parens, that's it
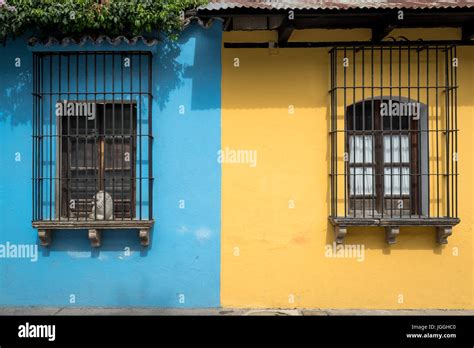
(357, 145)
(119, 157)
(362, 180)
(83, 154)
(118, 154)
(392, 178)
(393, 142)
(392, 120)
(389, 180)
(405, 180)
(118, 117)
(361, 115)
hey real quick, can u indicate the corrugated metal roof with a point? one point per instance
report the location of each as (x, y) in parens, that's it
(215, 5)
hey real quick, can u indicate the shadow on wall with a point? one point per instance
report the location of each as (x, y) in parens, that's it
(16, 83)
(410, 238)
(77, 244)
(191, 57)
(170, 71)
(205, 82)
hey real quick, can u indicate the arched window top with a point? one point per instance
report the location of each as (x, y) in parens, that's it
(384, 113)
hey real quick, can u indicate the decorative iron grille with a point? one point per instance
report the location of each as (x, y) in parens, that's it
(393, 131)
(92, 136)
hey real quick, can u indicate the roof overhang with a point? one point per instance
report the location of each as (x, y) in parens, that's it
(380, 20)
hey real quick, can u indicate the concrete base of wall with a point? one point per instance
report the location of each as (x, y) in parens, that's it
(223, 311)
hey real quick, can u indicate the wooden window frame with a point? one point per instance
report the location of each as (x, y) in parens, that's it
(62, 193)
(378, 164)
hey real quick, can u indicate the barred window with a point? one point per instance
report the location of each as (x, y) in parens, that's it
(92, 141)
(393, 135)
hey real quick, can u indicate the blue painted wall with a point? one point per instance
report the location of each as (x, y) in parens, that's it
(184, 255)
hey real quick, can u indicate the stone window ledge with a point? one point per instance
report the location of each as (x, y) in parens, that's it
(45, 229)
(443, 226)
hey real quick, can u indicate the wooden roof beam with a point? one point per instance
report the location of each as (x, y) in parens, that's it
(384, 26)
(380, 32)
(284, 31)
(467, 33)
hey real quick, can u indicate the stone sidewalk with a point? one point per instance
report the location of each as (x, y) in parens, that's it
(222, 311)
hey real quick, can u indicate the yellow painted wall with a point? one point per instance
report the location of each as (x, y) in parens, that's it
(274, 255)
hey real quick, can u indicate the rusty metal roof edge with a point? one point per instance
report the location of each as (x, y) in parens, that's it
(334, 5)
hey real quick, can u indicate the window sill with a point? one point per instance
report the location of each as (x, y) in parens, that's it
(94, 228)
(392, 226)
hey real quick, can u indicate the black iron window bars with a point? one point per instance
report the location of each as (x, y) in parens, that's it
(92, 139)
(393, 134)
